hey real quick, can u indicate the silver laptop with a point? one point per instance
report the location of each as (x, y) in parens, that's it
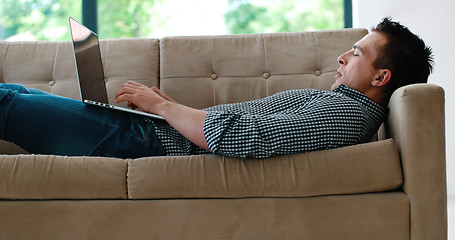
(90, 69)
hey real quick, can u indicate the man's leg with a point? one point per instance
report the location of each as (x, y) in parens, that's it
(42, 123)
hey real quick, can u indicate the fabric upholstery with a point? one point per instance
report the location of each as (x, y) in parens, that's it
(206, 71)
(355, 217)
(363, 168)
(416, 122)
(371, 167)
(58, 177)
(50, 66)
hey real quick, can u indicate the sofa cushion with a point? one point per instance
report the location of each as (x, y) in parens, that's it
(210, 70)
(57, 177)
(10, 148)
(371, 167)
(50, 66)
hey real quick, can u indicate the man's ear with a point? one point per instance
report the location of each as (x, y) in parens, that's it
(383, 77)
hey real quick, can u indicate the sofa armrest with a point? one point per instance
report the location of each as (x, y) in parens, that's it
(416, 123)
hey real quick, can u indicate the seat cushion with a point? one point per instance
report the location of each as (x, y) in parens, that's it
(371, 167)
(58, 177)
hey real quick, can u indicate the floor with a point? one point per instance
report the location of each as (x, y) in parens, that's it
(451, 216)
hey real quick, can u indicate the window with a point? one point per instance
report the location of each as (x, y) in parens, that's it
(37, 19)
(48, 19)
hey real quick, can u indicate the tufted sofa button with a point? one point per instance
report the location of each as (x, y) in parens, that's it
(51, 83)
(105, 80)
(266, 75)
(317, 72)
(214, 76)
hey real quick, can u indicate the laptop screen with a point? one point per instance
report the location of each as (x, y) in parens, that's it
(88, 63)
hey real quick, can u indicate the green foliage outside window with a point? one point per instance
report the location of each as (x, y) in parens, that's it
(284, 15)
(126, 18)
(48, 19)
(37, 19)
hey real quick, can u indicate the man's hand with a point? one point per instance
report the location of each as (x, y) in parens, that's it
(142, 97)
(188, 121)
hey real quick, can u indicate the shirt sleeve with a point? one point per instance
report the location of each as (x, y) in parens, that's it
(259, 136)
(233, 134)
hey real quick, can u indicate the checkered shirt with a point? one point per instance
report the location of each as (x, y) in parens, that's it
(284, 123)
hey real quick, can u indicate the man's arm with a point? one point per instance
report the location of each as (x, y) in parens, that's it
(187, 121)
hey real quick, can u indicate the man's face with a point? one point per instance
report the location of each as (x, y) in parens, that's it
(356, 65)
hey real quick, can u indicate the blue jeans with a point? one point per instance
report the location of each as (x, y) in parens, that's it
(43, 123)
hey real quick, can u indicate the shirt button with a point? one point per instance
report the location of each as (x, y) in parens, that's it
(317, 72)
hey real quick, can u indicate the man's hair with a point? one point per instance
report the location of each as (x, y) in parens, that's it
(405, 55)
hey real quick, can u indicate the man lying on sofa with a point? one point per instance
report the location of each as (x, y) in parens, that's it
(389, 57)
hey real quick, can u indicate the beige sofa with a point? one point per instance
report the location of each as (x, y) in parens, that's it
(391, 188)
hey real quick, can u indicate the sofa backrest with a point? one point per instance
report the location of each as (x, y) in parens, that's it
(210, 70)
(50, 66)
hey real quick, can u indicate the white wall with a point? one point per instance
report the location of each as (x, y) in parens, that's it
(434, 21)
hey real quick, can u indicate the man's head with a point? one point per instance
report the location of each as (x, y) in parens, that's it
(405, 54)
(389, 57)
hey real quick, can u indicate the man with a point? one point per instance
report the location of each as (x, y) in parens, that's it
(288, 122)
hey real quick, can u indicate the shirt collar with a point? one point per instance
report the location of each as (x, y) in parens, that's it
(360, 97)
